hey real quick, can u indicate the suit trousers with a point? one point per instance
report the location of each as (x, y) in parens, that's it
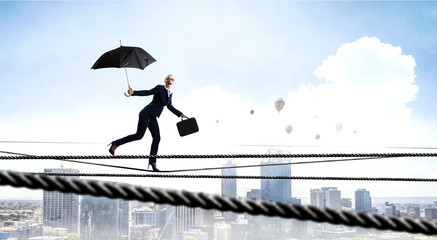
(145, 121)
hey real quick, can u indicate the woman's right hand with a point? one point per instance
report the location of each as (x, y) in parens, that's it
(130, 91)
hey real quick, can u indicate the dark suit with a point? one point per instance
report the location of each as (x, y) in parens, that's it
(147, 117)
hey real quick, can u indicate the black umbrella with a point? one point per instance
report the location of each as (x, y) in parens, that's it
(124, 57)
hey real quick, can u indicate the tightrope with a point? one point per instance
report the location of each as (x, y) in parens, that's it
(296, 155)
(210, 201)
(236, 177)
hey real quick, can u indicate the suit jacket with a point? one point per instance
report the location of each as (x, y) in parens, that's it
(160, 100)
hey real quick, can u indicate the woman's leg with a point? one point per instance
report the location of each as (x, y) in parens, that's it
(143, 122)
(154, 130)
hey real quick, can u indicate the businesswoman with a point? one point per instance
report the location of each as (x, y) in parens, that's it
(147, 117)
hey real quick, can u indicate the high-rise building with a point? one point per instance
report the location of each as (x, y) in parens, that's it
(431, 213)
(317, 198)
(204, 217)
(413, 211)
(183, 219)
(145, 216)
(254, 194)
(346, 203)
(326, 197)
(166, 213)
(363, 201)
(390, 208)
(61, 209)
(276, 189)
(229, 185)
(333, 198)
(103, 218)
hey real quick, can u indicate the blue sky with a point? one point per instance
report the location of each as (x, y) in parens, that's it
(228, 57)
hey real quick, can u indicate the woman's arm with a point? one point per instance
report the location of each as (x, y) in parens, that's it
(143, 92)
(175, 111)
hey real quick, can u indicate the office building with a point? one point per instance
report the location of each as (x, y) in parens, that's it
(317, 198)
(390, 208)
(413, 211)
(326, 197)
(183, 219)
(229, 185)
(61, 209)
(276, 189)
(104, 218)
(363, 201)
(346, 203)
(333, 198)
(254, 194)
(145, 216)
(431, 213)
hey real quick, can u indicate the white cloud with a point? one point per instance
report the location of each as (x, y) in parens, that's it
(366, 87)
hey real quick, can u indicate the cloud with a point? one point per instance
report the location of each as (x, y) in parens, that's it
(366, 86)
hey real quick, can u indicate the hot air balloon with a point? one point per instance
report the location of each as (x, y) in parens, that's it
(279, 104)
(251, 112)
(288, 128)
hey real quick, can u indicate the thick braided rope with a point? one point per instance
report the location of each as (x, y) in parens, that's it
(310, 155)
(237, 177)
(210, 201)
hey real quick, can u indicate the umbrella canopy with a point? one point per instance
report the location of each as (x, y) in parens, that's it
(123, 57)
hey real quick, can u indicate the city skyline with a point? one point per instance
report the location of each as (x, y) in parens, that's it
(353, 75)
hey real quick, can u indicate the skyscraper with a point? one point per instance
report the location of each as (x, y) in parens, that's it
(229, 185)
(413, 211)
(431, 213)
(254, 194)
(317, 198)
(104, 218)
(390, 208)
(276, 189)
(363, 201)
(145, 217)
(61, 209)
(333, 198)
(326, 197)
(183, 219)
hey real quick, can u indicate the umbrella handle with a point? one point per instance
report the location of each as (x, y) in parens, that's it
(127, 95)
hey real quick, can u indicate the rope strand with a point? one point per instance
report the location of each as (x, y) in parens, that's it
(294, 155)
(210, 201)
(237, 177)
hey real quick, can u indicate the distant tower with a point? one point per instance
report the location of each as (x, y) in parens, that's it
(326, 197)
(363, 201)
(276, 189)
(61, 209)
(229, 187)
(104, 218)
(317, 198)
(183, 219)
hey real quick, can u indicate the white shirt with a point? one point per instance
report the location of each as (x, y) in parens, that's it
(168, 91)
